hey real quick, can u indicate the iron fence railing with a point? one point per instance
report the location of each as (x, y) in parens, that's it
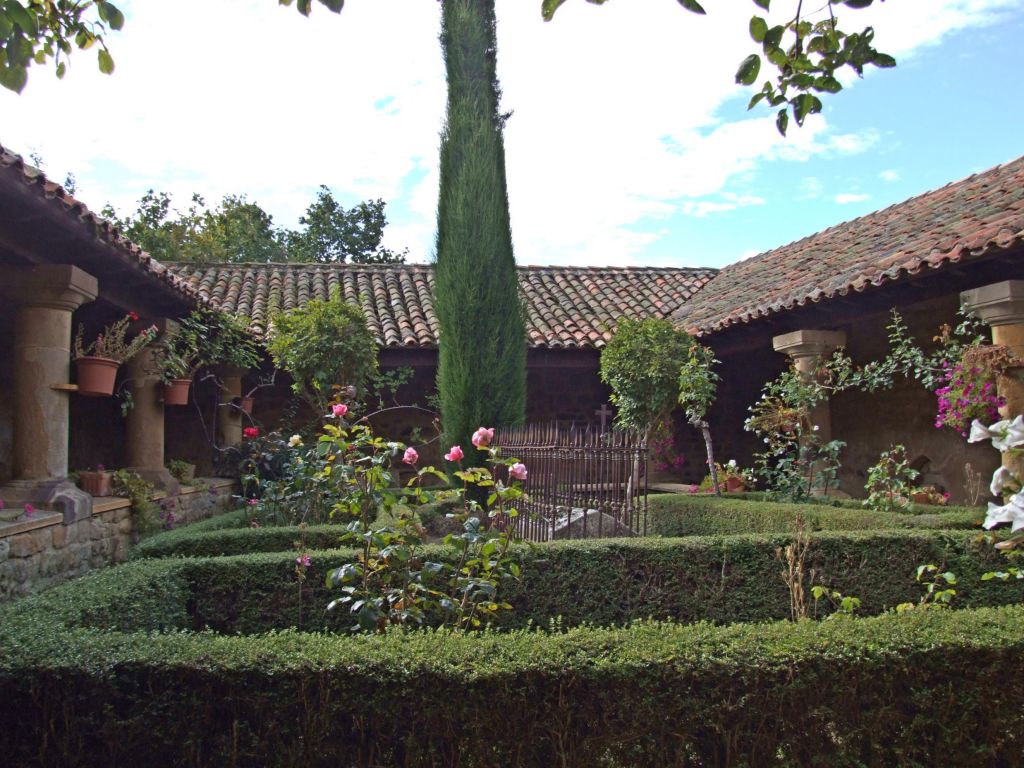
(583, 482)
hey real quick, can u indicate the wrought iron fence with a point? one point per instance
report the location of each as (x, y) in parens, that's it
(582, 482)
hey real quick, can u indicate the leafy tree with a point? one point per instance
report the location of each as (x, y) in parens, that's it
(334, 235)
(806, 52)
(698, 383)
(641, 364)
(240, 231)
(323, 344)
(482, 348)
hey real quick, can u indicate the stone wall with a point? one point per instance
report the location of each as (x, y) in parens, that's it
(40, 551)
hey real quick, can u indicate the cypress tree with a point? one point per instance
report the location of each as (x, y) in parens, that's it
(482, 345)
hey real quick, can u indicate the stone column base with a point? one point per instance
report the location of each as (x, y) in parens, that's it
(59, 494)
(160, 479)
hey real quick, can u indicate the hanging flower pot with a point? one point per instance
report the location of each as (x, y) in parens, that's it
(246, 404)
(96, 376)
(95, 483)
(176, 393)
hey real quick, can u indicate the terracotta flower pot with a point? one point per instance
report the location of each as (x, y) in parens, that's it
(176, 393)
(96, 376)
(246, 404)
(95, 483)
(735, 485)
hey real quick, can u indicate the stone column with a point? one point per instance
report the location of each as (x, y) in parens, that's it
(229, 414)
(47, 295)
(1001, 305)
(805, 349)
(144, 422)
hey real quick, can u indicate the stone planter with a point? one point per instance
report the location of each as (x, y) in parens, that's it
(96, 376)
(176, 393)
(95, 483)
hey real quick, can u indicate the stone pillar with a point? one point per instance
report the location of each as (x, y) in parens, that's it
(1001, 305)
(144, 422)
(805, 349)
(229, 412)
(47, 295)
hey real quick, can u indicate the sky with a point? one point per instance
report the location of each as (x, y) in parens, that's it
(629, 143)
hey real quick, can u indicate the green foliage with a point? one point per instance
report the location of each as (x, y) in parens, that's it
(481, 374)
(180, 469)
(890, 481)
(139, 492)
(642, 364)
(806, 51)
(205, 337)
(323, 344)
(333, 235)
(701, 515)
(698, 382)
(238, 230)
(938, 589)
(665, 694)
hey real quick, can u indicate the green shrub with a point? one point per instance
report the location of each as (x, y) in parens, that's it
(612, 582)
(922, 689)
(699, 515)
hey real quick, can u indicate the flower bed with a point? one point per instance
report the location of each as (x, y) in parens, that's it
(699, 515)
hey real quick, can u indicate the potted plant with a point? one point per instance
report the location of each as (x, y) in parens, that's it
(182, 471)
(97, 362)
(95, 483)
(178, 358)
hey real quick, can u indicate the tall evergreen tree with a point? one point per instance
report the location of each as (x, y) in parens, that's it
(482, 356)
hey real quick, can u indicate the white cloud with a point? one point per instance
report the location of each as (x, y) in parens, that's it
(845, 198)
(890, 175)
(616, 126)
(810, 188)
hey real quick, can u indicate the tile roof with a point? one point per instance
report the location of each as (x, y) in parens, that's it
(15, 171)
(958, 222)
(568, 307)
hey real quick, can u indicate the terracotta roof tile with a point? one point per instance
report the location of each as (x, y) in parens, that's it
(568, 307)
(14, 170)
(960, 221)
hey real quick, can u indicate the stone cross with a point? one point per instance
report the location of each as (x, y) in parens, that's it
(603, 413)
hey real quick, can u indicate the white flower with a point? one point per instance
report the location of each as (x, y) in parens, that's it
(295, 441)
(815, 428)
(732, 463)
(1000, 480)
(1012, 512)
(1004, 434)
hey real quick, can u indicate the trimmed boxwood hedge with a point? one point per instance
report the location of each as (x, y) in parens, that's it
(607, 582)
(700, 515)
(920, 689)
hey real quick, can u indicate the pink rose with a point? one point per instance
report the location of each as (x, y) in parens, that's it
(252, 502)
(517, 471)
(251, 432)
(339, 409)
(134, 316)
(455, 454)
(410, 456)
(303, 560)
(29, 510)
(482, 437)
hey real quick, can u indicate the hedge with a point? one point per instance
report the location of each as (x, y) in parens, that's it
(601, 582)
(920, 689)
(699, 515)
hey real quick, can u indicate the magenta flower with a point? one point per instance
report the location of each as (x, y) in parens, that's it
(482, 438)
(517, 471)
(134, 316)
(455, 454)
(252, 502)
(410, 456)
(29, 510)
(339, 409)
(303, 560)
(251, 432)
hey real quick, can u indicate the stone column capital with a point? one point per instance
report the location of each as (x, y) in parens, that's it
(809, 343)
(54, 286)
(997, 304)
